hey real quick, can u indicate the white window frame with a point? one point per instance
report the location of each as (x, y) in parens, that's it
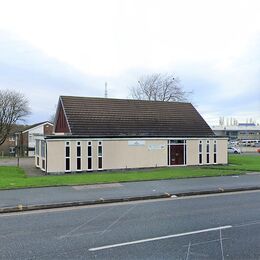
(200, 152)
(100, 144)
(207, 152)
(67, 144)
(215, 152)
(90, 144)
(78, 144)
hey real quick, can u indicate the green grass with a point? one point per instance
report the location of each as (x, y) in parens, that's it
(241, 162)
(14, 177)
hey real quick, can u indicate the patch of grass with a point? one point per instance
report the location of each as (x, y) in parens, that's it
(241, 162)
(13, 177)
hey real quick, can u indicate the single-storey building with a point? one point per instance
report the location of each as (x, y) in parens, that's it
(92, 134)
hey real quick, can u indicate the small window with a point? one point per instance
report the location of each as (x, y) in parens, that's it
(89, 156)
(67, 151)
(215, 152)
(207, 150)
(100, 151)
(100, 162)
(67, 156)
(78, 156)
(200, 152)
(200, 158)
(78, 151)
(43, 164)
(67, 164)
(89, 151)
(89, 163)
(100, 156)
(78, 163)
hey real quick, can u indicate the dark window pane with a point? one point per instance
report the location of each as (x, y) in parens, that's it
(78, 164)
(200, 159)
(215, 158)
(89, 151)
(67, 152)
(43, 164)
(215, 148)
(78, 151)
(200, 148)
(207, 148)
(89, 163)
(67, 164)
(100, 151)
(207, 158)
(99, 163)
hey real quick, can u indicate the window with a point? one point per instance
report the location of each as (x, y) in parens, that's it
(200, 152)
(67, 156)
(215, 151)
(43, 164)
(11, 139)
(43, 149)
(207, 151)
(100, 155)
(12, 150)
(89, 156)
(78, 156)
(37, 150)
(37, 161)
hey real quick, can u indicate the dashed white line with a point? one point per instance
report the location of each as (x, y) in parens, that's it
(159, 238)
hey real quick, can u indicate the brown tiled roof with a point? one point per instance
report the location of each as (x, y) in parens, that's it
(106, 117)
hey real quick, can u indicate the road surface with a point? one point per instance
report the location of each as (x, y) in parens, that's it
(225, 226)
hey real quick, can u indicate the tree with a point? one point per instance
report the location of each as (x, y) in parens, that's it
(159, 87)
(14, 106)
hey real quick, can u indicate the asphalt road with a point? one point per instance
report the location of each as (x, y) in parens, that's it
(50, 195)
(225, 226)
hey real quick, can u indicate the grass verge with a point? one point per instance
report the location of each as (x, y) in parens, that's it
(14, 177)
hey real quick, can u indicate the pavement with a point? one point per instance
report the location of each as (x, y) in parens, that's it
(65, 196)
(223, 226)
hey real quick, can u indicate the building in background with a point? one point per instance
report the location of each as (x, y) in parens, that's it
(8, 148)
(93, 134)
(239, 132)
(25, 139)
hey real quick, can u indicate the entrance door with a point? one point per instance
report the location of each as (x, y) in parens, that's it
(176, 154)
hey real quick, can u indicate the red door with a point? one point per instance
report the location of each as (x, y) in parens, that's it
(176, 155)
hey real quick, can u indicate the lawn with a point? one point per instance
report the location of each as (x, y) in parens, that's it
(14, 177)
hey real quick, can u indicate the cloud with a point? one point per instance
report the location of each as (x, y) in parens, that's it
(40, 77)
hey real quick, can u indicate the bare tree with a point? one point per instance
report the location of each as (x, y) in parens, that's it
(159, 87)
(14, 106)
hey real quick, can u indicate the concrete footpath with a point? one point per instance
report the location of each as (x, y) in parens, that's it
(53, 197)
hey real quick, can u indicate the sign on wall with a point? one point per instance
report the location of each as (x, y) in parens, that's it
(156, 146)
(136, 143)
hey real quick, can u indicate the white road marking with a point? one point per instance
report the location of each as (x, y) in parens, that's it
(116, 221)
(247, 224)
(221, 244)
(187, 257)
(84, 224)
(159, 238)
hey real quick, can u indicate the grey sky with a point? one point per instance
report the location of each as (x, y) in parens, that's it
(52, 48)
